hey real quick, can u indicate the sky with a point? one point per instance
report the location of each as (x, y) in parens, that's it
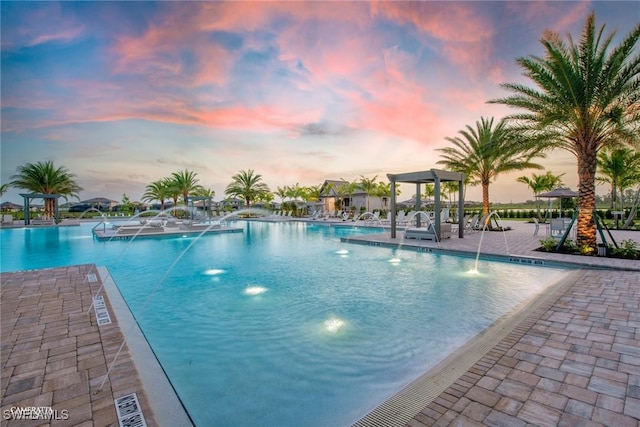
(125, 93)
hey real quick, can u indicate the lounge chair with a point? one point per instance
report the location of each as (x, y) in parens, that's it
(469, 226)
(7, 219)
(428, 233)
(193, 226)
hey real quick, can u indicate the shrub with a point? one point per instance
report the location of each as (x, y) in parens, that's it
(627, 249)
(548, 243)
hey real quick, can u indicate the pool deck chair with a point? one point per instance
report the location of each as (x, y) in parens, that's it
(428, 233)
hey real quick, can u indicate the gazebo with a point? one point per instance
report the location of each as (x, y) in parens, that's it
(435, 176)
(27, 202)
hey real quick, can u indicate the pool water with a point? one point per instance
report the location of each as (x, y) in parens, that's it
(283, 324)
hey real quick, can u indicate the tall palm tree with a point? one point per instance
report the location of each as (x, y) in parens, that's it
(45, 178)
(541, 183)
(619, 167)
(368, 185)
(4, 188)
(248, 186)
(485, 152)
(157, 190)
(186, 182)
(587, 98)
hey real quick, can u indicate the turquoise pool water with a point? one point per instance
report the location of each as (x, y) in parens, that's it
(283, 324)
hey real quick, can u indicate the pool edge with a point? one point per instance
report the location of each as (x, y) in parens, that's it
(164, 402)
(404, 405)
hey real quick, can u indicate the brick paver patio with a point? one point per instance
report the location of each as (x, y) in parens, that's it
(573, 362)
(55, 355)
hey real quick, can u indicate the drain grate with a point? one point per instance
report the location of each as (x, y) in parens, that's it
(92, 278)
(129, 411)
(101, 311)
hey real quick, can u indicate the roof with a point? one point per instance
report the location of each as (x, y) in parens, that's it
(558, 193)
(426, 176)
(99, 200)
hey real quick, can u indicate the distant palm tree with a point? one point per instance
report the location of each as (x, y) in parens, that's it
(346, 190)
(587, 98)
(383, 190)
(157, 190)
(368, 185)
(248, 186)
(541, 183)
(282, 193)
(619, 167)
(204, 192)
(45, 178)
(485, 152)
(186, 182)
(313, 193)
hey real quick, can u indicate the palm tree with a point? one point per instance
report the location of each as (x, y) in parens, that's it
(45, 178)
(485, 152)
(248, 186)
(541, 183)
(157, 190)
(368, 185)
(347, 189)
(383, 190)
(185, 182)
(587, 98)
(619, 167)
(3, 189)
(282, 193)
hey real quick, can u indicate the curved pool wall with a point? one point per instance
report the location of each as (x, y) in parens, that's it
(284, 324)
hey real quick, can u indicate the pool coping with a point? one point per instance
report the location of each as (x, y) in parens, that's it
(163, 399)
(405, 404)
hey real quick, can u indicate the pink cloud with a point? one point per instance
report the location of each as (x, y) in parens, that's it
(465, 35)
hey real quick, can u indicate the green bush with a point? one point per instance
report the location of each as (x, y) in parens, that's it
(627, 249)
(549, 243)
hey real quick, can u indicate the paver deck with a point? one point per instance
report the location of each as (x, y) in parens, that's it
(55, 355)
(574, 360)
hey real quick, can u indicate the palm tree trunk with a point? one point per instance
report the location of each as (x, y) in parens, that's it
(586, 228)
(48, 208)
(485, 198)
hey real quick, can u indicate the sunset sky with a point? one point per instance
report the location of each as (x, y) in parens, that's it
(124, 93)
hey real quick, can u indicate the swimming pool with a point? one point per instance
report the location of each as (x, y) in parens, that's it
(283, 324)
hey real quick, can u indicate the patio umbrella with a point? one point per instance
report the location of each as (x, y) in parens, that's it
(558, 193)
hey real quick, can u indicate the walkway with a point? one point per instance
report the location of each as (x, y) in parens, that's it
(55, 355)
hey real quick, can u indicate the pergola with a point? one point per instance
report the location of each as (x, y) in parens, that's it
(436, 176)
(27, 202)
(207, 204)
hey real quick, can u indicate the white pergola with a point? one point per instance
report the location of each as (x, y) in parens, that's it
(436, 176)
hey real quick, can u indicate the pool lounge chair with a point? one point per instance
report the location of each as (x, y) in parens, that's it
(193, 226)
(428, 233)
(152, 227)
